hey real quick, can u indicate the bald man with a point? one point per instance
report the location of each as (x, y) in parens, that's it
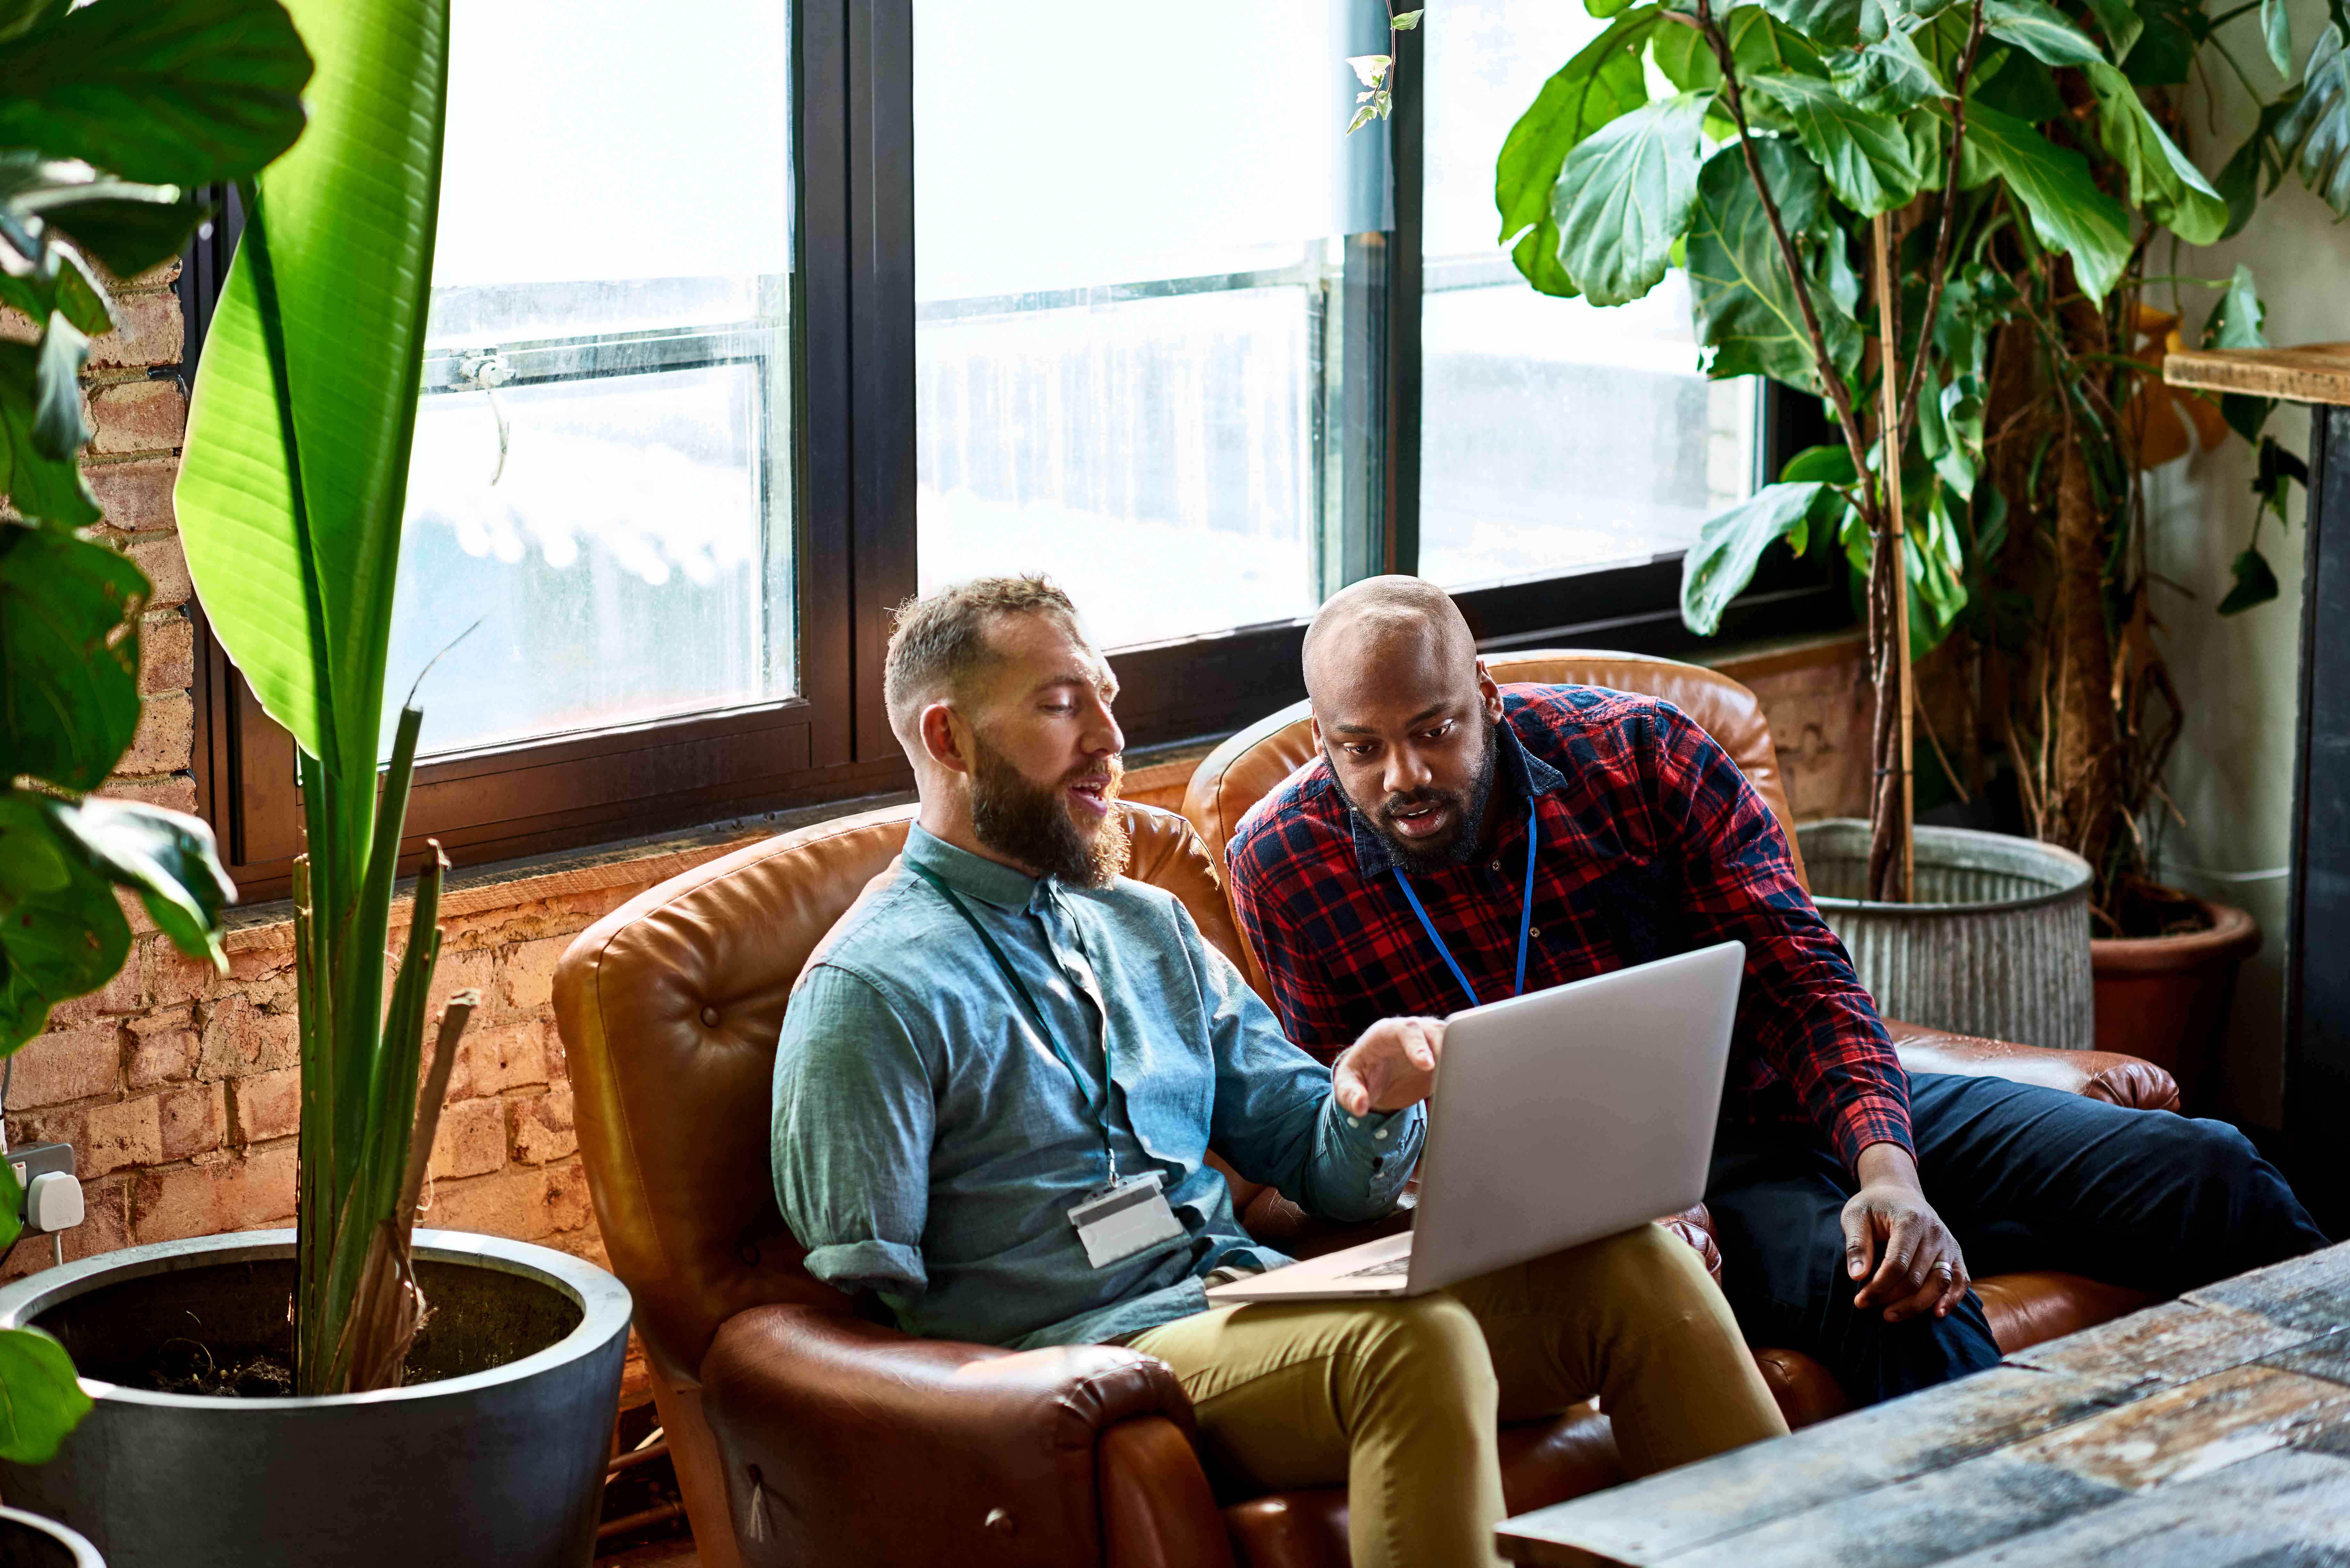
(1388, 876)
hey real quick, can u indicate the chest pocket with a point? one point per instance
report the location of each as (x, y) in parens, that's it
(1635, 906)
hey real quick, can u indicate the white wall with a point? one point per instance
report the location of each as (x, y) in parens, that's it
(2231, 775)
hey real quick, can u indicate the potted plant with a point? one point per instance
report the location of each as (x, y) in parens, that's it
(1937, 218)
(352, 1391)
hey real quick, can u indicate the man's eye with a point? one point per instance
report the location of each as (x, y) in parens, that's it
(1438, 732)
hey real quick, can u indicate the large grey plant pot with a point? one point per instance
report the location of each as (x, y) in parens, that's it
(501, 1466)
(28, 1540)
(1997, 943)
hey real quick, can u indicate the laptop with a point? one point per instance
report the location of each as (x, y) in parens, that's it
(1564, 1116)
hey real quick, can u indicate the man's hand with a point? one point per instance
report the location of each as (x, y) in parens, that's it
(1921, 1270)
(1391, 1067)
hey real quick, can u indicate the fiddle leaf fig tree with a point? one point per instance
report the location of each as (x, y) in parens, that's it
(110, 113)
(1935, 215)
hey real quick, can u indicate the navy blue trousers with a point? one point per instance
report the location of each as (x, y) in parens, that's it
(2025, 1177)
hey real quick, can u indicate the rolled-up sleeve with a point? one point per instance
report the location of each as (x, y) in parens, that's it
(854, 1112)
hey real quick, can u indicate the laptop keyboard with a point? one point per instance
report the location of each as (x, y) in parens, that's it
(1392, 1266)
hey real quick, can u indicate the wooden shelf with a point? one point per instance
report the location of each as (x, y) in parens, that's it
(2314, 373)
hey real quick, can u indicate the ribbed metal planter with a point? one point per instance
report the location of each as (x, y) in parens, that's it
(1997, 943)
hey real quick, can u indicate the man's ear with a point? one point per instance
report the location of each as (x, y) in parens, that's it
(1314, 727)
(937, 724)
(1488, 692)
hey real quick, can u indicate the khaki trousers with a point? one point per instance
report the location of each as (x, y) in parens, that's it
(1400, 1401)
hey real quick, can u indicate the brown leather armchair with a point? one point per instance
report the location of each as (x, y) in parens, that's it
(2023, 1309)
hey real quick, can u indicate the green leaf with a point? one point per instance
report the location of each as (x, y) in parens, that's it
(68, 657)
(183, 92)
(1824, 465)
(1730, 546)
(132, 233)
(1624, 197)
(1866, 157)
(30, 858)
(2022, 87)
(44, 1401)
(1535, 255)
(2069, 213)
(1745, 306)
(63, 942)
(2119, 23)
(2165, 53)
(42, 485)
(2256, 583)
(2316, 132)
(58, 429)
(1404, 22)
(1887, 77)
(65, 285)
(2162, 183)
(2041, 30)
(1603, 82)
(2236, 321)
(2276, 32)
(168, 857)
(1830, 24)
(301, 595)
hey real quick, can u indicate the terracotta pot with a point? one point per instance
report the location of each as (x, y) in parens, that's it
(2165, 997)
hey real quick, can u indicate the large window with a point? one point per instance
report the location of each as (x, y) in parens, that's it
(1554, 436)
(601, 487)
(752, 321)
(1133, 351)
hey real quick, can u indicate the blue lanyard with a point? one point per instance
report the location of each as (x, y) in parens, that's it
(1525, 918)
(1099, 1112)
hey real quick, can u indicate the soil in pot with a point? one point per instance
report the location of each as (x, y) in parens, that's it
(223, 1331)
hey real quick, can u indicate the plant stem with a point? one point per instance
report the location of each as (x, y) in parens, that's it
(1830, 378)
(1939, 270)
(1892, 838)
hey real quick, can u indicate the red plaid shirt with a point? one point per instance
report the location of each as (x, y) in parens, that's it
(1652, 843)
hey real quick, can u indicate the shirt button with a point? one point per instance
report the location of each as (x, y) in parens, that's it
(1381, 1135)
(1354, 1121)
(1533, 931)
(1496, 866)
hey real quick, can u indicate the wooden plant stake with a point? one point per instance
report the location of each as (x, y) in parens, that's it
(1895, 539)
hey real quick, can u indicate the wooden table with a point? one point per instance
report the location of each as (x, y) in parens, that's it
(2208, 1431)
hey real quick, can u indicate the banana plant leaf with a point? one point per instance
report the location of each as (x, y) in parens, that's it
(295, 563)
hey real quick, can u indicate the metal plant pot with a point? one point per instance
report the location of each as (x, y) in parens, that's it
(492, 1455)
(28, 1540)
(1997, 943)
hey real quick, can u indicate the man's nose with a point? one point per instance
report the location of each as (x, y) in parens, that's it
(1103, 738)
(1405, 771)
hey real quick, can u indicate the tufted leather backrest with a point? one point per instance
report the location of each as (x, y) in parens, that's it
(1248, 765)
(670, 1008)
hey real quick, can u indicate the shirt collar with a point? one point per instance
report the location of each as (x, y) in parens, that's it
(1518, 776)
(973, 876)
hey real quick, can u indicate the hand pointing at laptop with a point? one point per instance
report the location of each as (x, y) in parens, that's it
(1391, 1067)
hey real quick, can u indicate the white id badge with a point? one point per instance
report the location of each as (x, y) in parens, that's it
(1123, 1219)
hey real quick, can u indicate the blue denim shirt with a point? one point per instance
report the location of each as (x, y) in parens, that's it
(928, 1144)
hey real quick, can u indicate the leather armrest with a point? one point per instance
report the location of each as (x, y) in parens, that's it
(849, 1442)
(2105, 1075)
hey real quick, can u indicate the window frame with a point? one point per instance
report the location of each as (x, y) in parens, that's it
(854, 319)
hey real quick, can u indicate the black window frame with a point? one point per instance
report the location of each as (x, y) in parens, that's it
(853, 424)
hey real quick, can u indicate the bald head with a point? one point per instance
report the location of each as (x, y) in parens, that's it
(1405, 713)
(1385, 630)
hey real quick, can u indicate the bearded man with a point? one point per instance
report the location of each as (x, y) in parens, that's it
(1455, 841)
(1000, 1076)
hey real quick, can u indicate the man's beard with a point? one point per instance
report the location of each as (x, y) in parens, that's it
(1455, 848)
(1035, 826)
